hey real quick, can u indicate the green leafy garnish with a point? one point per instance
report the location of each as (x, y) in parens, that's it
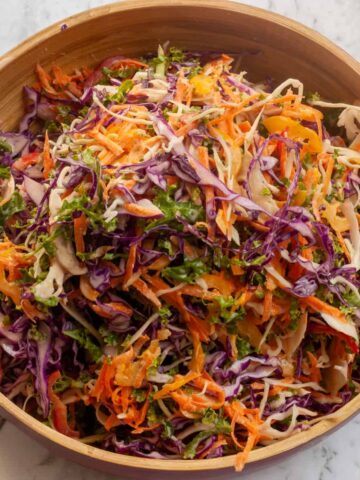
(4, 172)
(5, 147)
(295, 314)
(110, 338)
(266, 192)
(226, 315)
(63, 111)
(91, 161)
(48, 302)
(161, 63)
(46, 241)
(168, 429)
(217, 421)
(127, 72)
(188, 272)
(122, 90)
(188, 210)
(191, 447)
(35, 334)
(351, 298)
(85, 341)
(195, 71)
(252, 263)
(164, 314)
(93, 211)
(139, 395)
(243, 347)
(154, 414)
(61, 384)
(313, 97)
(16, 204)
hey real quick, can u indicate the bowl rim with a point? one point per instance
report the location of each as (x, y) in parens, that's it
(329, 422)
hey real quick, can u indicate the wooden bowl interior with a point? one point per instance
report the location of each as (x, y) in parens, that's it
(273, 47)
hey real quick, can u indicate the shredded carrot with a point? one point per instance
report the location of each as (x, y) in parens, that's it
(44, 79)
(144, 289)
(248, 419)
(26, 160)
(343, 245)
(87, 290)
(315, 371)
(329, 171)
(111, 309)
(59, 411)
(80, 227)
(198, 359)
(179, 381)
(48, 162)
(107, 142)
(30, 310)
(129, 265)
(9, 289)
(267, 306)
(318, 305)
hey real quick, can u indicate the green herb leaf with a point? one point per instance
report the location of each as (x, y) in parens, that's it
(122, 90)
(313, 97)
(153, 414)
(48, 302)
(86, 342)
(61, 384)
(121, 73)
(188, 210)
(244, 263)
(188, 272)
(266, 192)
(4, 172)
(16, 204)
(91, 161)
(193, 72)
(217, 421)
(191, 447)
(225, 315)
(110, 338)
(295, 314)
(93, 212)
(139, 395)
(243, 347)
(5, 147)
(168, 429)
(164, 314)
(351, 298)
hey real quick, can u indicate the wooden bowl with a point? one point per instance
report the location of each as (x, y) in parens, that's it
(277, 47)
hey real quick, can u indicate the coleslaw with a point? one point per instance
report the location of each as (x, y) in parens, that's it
(179, 256)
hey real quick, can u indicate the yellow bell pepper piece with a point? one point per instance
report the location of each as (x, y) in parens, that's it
(339, 224)
(295, 130)
(202, 84)
(300, 197)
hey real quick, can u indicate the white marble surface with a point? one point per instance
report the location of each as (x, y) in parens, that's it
(335, 457)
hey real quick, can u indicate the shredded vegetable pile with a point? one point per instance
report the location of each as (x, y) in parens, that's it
(179, 256)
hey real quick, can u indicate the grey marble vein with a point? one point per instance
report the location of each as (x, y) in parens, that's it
(336, 456)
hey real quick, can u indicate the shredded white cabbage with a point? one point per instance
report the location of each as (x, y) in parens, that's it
(294, 412)
(353, 247)
(283, 282)
(52, 285)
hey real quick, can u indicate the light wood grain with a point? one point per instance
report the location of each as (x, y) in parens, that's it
(280, 48)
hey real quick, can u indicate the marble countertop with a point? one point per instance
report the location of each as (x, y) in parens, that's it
(336, 456)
